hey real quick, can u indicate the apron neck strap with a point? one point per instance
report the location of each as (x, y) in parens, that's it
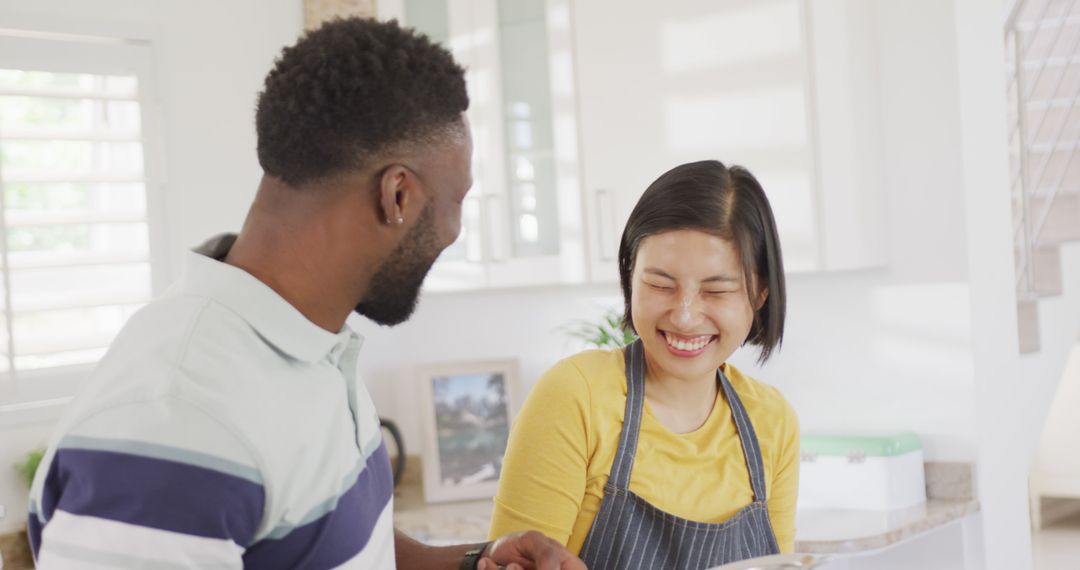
(623, 466)
(747, 437)
(634, 355)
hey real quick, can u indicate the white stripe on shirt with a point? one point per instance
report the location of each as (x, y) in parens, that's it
(74, 541)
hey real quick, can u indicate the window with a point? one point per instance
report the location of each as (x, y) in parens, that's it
(75, 236)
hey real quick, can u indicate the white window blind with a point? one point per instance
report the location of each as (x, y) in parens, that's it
(74, 225)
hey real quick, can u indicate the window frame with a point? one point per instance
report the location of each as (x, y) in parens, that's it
(76, 53)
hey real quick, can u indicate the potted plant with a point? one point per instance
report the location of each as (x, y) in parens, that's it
(16, 548)
(606, 333)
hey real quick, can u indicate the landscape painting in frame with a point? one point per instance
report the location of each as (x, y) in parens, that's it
(468, 408)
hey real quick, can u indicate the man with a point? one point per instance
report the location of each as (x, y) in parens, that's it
(225, 428)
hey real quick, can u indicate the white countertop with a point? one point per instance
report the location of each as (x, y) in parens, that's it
(848, 531)
(818, 531)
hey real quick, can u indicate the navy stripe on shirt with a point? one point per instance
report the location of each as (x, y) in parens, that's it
(33, 530)
(151, 492)
(340, 534)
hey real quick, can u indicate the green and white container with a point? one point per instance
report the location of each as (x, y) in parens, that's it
(881, 471)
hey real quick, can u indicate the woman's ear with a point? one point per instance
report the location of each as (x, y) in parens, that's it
(763, 296)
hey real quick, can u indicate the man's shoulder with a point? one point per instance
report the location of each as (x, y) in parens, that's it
(182, 316)
(179, 348)
(169, 332)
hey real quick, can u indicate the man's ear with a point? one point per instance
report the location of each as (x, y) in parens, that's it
(396, 187)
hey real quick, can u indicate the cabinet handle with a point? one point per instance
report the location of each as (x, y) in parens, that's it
(604, 204)
(473, 218)
(495, 234)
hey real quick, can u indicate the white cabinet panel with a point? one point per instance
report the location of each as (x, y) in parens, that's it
(733, 80)
(690, 80)
(523, 223)
(847, 109)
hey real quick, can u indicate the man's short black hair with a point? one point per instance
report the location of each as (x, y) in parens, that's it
(350, 89)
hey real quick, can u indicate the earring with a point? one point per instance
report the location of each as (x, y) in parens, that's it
(400, 220)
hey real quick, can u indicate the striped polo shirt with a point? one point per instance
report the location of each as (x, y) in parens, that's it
(221, 430)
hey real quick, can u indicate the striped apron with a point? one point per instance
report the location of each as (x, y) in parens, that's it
(630, 534)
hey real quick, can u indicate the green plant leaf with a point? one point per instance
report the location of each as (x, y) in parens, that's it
(30, 466)
(607, 332)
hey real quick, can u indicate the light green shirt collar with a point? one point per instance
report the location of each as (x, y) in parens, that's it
(271, 316)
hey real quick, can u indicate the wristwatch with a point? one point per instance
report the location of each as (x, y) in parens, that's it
(472, 557)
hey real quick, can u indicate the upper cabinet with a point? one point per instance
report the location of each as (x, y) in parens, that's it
(690, 80)
(771, 85)
(577, 106)
(847, 134)
(522, 220)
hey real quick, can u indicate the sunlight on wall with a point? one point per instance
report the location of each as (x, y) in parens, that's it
(757, 31)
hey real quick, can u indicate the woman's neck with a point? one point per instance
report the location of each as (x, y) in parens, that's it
(681, 404)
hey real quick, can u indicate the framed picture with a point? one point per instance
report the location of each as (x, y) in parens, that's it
(467, 410)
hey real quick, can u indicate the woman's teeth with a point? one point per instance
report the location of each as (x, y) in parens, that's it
(688, 345)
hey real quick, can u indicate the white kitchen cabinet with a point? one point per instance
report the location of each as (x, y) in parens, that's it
(522, 223)
(842, 44)
(577, 105)
(748, 83)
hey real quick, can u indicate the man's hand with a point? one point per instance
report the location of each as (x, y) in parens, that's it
(528, 551)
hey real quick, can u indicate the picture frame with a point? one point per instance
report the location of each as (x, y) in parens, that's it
(467, 410)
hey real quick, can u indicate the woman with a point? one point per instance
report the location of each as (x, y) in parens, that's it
(662, 455)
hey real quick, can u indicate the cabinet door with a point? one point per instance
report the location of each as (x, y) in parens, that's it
(522, 225)
(535, 213)
(848, 133)
(452, 23)
(665, 83)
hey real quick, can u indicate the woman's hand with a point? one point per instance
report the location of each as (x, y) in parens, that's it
(529, 550)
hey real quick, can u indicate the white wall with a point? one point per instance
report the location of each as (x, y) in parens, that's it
(1056, 468)
(210, 60)
(449, 327)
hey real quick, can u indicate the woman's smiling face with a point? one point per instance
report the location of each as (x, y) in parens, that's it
(689, 302)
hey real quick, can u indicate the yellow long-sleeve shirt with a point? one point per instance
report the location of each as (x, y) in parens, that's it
(563, 443)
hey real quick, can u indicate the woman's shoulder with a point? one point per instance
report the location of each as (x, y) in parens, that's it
(591, 370)
(597, 362)
(774, 419)
(581, 386)
(757, 396)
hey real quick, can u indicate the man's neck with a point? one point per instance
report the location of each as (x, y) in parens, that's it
(292, 249)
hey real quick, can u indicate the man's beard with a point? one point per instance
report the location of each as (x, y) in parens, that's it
(394, 290)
